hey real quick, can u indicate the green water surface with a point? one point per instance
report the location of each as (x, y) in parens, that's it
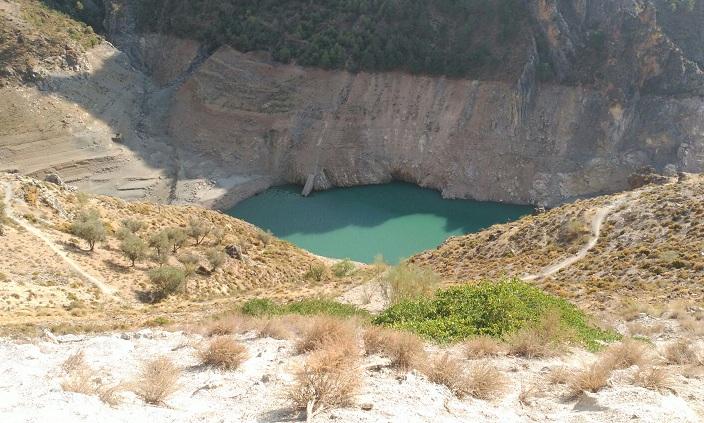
(396, 220)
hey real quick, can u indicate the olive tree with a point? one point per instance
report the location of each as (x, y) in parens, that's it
(198, 229)
(88, 226)
(133, 248)
(177, 237)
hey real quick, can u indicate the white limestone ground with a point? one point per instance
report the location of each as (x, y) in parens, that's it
(31, 376)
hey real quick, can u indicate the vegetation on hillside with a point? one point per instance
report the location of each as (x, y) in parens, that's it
(449, 37)
(490, 308)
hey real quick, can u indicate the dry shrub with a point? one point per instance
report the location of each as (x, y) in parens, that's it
(681, 352)
(482, 346)
(654, 378)
(74, 362)
(638, 328)
(329, 378)
(230, 324)
(692, 325)
(445, 370)
(324, 330)
(627, 353)
(527, 393)
(593, 378)
(484, 381)
(405, 350)
(407, 282)
(376, 338)
(273, 328)
(157, 380)
(546, 338)
(224, 353)
(83, 380)
(559, 375)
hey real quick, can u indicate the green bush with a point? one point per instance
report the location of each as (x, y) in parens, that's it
(488, 308)
(89, 227)
(309, 307)
(167, 280)
(343, 268)
(133, 248)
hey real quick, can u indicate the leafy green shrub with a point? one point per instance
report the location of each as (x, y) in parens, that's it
(488, 308)
(309, 307)
(198, 229)
(406, 282)
(342, 268)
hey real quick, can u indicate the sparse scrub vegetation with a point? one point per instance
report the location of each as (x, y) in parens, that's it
(190, 263)
(407, 282)
(448, 371)
(342, 268)
(324, 330)
(654, 378)
(198, 229)
(681, 352)
(593, 378)
(329, 379)
(215, 257)
(88, 226)
(544, 338)
(484, 381)
(316, 272)
(627, 353)
(273, 328)
(223, 353)
(310, 307)
(265, 236)
(482, 346)
(405, 350)
(157, 380)
(160, 242)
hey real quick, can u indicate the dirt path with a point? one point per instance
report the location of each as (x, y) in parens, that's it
(75, 267)
(597, 222)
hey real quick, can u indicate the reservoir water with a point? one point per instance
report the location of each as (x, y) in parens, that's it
(395, 220)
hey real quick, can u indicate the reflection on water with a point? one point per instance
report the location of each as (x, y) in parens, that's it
(396, 220)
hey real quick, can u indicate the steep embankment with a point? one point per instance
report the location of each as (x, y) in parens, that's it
(648, 249)
(593, 92)
(47, 273)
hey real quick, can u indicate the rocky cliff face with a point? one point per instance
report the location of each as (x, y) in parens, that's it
(626, 93)
(607, 87)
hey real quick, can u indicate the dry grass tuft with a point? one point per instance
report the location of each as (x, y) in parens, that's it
(328, 379)
(74, 362)
(593, 378)
(224, 353)
(527, 393)
(654, 378)
(228, 325)
(681, 352)
(546, 338)
(376, 338)
(445, 370)
(157, 380)
(627, 353)
(405, 350)
(482, 346)
(559, 375)
(484, 381)
(273, 328)
(325, 330)
(81, 380)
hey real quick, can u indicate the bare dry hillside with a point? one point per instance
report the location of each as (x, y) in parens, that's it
(648, 249)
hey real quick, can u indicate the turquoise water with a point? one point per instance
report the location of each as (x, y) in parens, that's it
(396, 220)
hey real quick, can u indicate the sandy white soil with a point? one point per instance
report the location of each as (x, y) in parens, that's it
(31, 376)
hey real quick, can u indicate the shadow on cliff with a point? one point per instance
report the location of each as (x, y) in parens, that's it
(285, 212)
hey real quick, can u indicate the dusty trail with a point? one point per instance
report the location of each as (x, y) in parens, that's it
(104, 288)
(598, 220)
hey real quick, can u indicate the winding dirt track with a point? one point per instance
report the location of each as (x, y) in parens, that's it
(104, 288)
(598, 220)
